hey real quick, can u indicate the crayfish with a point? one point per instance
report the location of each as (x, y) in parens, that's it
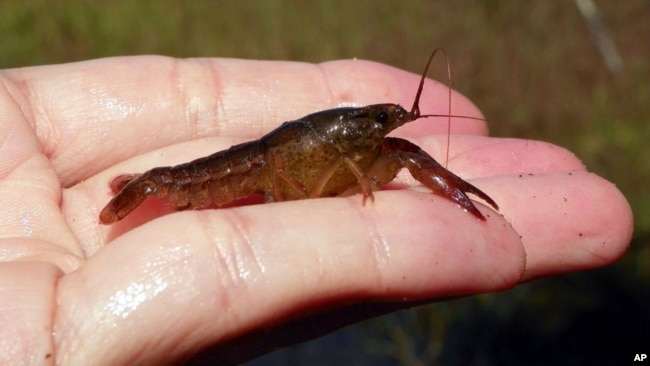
(332, 153)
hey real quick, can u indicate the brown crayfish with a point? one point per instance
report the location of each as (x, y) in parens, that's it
(336, 152)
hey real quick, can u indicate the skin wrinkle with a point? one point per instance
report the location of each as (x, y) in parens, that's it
(227, 252)
(465, 154)
(326, 83)
(436, 146)
(214, 113)
(524, 265)
(231, 293)
(379, 247)
(522, 271)
(236, 221)
(19, 93)
(225, 300)
(178, 80)
(11, 166)
(223, 121)
(51, 342)
(245, 252)
(201, 119)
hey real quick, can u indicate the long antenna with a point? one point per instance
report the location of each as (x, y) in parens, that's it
(415, 110)
(448, 105)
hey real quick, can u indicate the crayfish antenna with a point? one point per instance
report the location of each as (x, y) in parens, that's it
(415, 110)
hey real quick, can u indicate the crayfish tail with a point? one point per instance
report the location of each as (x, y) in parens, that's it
(133, 193)
(119, 182)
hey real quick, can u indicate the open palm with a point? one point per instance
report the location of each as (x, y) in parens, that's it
(162, 285)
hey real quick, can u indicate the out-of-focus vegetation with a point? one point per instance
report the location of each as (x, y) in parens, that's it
(534, 67)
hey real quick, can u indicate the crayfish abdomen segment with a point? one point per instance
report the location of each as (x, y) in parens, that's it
(216, 179)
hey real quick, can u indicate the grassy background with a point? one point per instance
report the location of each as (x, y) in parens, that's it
(534, 68)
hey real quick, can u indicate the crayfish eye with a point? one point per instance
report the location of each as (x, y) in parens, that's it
(382, 117)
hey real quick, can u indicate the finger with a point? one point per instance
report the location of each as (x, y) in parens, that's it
(30, 195)
(27, 308)
(568, 221)
(93, 114)
(215, 270)
(471, 157)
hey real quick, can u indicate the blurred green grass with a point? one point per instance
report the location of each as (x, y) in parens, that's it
(532, 68)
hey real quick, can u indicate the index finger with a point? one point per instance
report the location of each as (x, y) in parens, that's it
(91, 115)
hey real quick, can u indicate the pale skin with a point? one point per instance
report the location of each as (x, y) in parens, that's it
(162, 285)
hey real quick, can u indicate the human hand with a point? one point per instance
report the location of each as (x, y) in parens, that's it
(161, 285)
